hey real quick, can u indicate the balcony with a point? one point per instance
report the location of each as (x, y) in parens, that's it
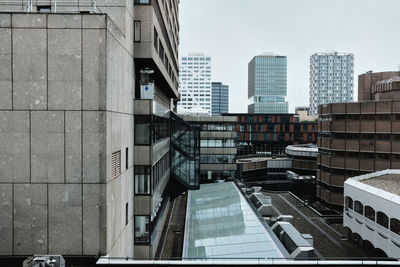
(352, 145)
(337, 162)
(382, 164)
(338, 126)
(338, 144)
(367, 145)
(383, 126)
(367, 164)
(352, 163)
(352, 126)
(367, 126)
(382, 146)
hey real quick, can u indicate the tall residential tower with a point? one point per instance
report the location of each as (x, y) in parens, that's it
(195, 82)
(331, 79)
(267, 84)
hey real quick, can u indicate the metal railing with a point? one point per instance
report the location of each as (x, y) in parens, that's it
(62, 6)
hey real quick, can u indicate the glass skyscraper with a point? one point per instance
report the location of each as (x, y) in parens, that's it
(331, 79)
(267, 84)
(219, 98)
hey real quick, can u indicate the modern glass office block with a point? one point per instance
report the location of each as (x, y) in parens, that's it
(185, 152)
(267, 84)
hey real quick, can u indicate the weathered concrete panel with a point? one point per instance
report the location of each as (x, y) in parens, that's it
(94, 219)
(6, 217)
(47, 146)
(64, 69)
(65, 219)
(29, 20)
(63, 21)
(5, 20)
(94, 147)
(30, 219)
(94, 22)
(14, 146)
(94, 67)
(5, 69)
(29, 69)
(73, 146)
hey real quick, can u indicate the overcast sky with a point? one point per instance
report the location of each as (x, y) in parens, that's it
(232, 32)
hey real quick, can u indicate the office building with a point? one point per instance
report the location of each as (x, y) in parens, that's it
(195, 82)
(219, 99)
(359, 137)
(331, 79)
(267, 84)
(372, 212)
(304, 158)
(87, 93)
(270, 134)
(217, 146)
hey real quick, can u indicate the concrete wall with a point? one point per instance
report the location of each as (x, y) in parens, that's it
(67, 104)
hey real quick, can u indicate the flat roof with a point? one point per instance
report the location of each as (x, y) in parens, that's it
(388, 182)
(220, 223)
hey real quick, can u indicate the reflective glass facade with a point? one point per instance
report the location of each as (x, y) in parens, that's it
(219, 99)
(267, 84)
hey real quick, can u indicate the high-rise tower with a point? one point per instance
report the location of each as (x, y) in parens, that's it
(195, 82)
(331, 79)
(267, 84)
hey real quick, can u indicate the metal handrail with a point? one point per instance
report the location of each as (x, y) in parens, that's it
(27, 6)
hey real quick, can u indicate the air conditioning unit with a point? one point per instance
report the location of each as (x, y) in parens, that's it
(44, 261)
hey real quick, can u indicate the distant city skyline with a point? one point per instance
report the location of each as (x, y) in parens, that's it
(309, 27)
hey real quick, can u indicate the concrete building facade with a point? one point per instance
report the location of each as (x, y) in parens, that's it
(67, 135)
(331, 79)
(267, 84)
(358, 138)
(71, 112)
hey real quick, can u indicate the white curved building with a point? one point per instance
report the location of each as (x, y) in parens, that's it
(372, 211)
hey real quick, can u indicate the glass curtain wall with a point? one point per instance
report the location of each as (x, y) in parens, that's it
(185, 151)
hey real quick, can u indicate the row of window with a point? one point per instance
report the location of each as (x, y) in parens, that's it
(361, 136)
(150, 129)
(360, 155)
(379, 217)
(217, 159)
(147, 181)
(218, 127)
(217, 143)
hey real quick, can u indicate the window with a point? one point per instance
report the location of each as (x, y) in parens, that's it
(142, 229)
(142, 180)
(137, 31)
(370, 213)
(382, 219)
(395, 226)
(155, 40)
(44, 9)
(349, 202)
(142, 130)
(126, 158)
(115, 164)
(126, 213)
(142, 1)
